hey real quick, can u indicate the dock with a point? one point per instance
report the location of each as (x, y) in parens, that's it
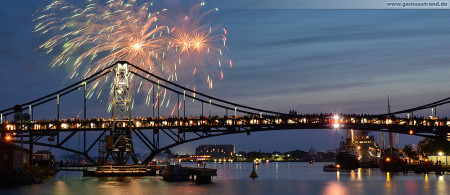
(168, 172)
(438, 169)
(180, 173)
(202, 175)
(116, 171)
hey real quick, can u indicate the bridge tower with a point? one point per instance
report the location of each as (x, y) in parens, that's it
(119, 143)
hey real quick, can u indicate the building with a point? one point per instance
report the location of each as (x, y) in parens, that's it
(194, 158)
(444, 159)
(222, 152)
(10, 158)
(42, 155)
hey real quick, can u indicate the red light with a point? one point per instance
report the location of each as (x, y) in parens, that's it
(411, 132)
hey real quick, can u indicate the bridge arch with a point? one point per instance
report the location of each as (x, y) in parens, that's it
(243, 119)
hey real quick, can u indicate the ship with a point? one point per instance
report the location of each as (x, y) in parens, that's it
(346, 161)
(392, 163)
(362, 147)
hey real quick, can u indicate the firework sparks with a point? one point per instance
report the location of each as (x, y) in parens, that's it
(197, 44)
(98, 35)
(91, 37)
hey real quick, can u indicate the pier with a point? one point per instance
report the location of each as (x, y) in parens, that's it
(116, 171)
(168, 172)
(180, 173)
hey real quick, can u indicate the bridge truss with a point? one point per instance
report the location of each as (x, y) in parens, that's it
(121, 129)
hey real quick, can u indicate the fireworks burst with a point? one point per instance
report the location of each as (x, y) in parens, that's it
(91, 37)
(197, 44)
(98, 35)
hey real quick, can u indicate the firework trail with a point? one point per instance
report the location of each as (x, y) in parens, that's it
(98, 35)
(90, 37)
(198, 48)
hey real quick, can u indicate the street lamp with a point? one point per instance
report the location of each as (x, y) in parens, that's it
(440, 154)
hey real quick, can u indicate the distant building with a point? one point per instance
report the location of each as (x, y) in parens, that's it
(312, 153)
(41, 157)
(216, 151)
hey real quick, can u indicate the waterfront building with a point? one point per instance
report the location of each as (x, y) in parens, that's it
(216, 151)
(194, 158)
(11, 157)
(42, 155)
(441, 158)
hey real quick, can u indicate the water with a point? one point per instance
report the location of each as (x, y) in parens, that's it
(274, 178)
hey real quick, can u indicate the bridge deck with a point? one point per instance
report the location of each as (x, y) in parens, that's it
(425, 126)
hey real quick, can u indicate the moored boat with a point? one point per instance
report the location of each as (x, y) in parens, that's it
(392, 163)
(330, 168)
(346, 161)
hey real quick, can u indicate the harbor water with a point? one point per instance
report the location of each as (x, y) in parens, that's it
(233, 178)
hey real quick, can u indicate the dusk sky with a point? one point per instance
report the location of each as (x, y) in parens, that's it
(309, 60)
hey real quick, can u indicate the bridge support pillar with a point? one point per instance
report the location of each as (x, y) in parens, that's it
(119, 143)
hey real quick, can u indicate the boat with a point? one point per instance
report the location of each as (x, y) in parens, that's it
(392, 163)
(330, 168)
(346, 161)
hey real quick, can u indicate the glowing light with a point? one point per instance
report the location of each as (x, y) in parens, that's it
(336, 125)
(440, 153)
(336, 117)
(388, 159)
(388, 176)
(137, 46)
(8, 138)
(173, 110)
(411, 132)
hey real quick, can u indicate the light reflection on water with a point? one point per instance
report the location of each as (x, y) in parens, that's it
(441, 185)
(334, 187)
(233, 178)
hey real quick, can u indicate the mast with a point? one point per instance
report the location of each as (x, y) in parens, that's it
(390, 133)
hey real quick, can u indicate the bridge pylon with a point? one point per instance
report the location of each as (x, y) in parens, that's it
(119, 143)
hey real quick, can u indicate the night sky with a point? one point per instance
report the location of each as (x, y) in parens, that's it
(312, 61)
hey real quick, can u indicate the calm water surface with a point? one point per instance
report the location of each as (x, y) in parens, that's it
(274, 178)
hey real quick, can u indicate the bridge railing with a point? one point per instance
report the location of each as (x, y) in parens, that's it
(143, 123)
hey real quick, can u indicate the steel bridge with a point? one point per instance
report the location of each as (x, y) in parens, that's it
(119, 133)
